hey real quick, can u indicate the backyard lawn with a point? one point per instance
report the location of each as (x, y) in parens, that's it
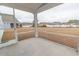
(44, 32)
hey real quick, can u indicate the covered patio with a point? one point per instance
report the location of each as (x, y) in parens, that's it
(38, 42)
(37, 47)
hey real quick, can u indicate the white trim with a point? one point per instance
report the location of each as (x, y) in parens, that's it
(35, 24)
(8, 43)
(1, 34)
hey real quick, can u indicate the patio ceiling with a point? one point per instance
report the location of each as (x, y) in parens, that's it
(31, 7)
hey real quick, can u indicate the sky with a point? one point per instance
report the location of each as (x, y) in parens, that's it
(61, 13)
(22, 16)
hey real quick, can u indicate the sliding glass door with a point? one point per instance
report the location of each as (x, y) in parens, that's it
(7, 34)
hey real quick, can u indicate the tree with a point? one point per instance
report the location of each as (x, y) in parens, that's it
(73, 21)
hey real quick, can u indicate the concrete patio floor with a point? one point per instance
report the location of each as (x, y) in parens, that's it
(37, 47)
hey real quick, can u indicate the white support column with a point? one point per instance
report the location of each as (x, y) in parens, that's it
(15, 31)
(35, 24)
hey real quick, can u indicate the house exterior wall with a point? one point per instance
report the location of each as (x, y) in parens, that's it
(7, 25)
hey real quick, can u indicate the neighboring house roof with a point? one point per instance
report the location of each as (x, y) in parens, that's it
(56, 23)
(52, 23)
(59, 23)
(25, 23)
(47, 23)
